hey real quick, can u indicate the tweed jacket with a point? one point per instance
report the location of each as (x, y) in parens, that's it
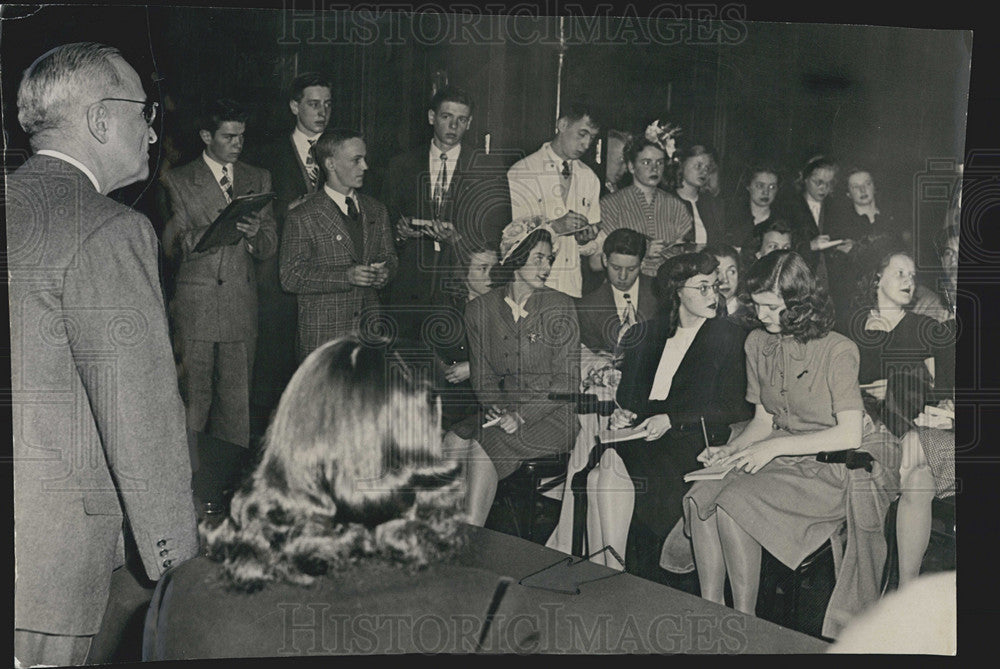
(316, 252)
(598, 314)
(98, 423)
(216, 292)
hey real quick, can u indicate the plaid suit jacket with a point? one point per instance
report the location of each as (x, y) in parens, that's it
(316, 252)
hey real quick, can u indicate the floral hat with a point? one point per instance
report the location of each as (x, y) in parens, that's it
(517, 231)
(663, 135)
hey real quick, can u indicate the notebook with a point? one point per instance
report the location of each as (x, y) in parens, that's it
(713, 473)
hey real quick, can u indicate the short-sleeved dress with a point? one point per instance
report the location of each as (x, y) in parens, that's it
(794, 503)
(516, 365)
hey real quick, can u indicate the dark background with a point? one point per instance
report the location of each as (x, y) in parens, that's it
(889, 97)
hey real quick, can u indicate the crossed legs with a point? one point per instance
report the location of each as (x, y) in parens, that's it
(721, 546)
(480, 476)
(913, 518)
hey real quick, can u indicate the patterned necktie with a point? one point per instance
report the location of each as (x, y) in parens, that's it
(567, 171)
(567, 176)
(311, 167)
(227, 185)
(440, 186)
(628, 320)
(352, 209)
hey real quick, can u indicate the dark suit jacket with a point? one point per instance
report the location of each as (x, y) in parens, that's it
(711, 381)
(216, 294)
(477, 207)
(598, 315)
(277, 308)
(98, 421)
(804, 228)
(316, 252)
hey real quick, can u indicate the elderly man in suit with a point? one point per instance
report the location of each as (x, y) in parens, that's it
(294, 174)
(625, 298)
(98, 421)
(214, 309)
(554, 182)
(337, 248)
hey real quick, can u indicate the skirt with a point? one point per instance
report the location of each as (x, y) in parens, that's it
(790, 507)
(939, 449)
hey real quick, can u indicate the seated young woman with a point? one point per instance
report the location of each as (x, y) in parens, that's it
(682, 371)
(524, 344)
(908, 355)
(352, 509)
(802, 379)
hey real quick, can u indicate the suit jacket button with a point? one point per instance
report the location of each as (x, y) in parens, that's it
(220, 282)
(167, 563)
(164, 552)
(161, 543)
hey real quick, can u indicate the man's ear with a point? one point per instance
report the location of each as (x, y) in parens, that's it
(430, 116)
(561, 125)
(294, 106)
(206, 136)
(604, 260)
(99, 122)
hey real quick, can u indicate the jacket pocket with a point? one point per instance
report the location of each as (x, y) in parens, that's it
(102, 504)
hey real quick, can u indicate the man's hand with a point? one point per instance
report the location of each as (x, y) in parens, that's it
(569, 222)
(248, 226)
(381, 274)
(458, 372)
(364, 275)
(819, 243)
(404, 230)
(846, 246)
(442, 231)
(586, 235)
(656, 248)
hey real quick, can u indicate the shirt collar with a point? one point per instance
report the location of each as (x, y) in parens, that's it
(301, 140)
(339, 198)
(216, 167)
(452, 153)
(516, 309)
(619, 295)
(59, 155)
(554, 158)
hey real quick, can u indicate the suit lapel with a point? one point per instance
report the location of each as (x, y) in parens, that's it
(208, 189)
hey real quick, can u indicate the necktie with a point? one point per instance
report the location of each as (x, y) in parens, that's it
(440, 185)
(311, 167)
(628, 320)
(352, 209)
(567, 175)
(226, 184)
(567, 171)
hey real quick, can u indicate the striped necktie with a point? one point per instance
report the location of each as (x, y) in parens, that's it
(226, 184)
(311, 167)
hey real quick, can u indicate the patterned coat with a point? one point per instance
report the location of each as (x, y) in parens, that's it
(316, 252)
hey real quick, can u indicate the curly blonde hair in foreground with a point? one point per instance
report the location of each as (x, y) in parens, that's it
(351, 470)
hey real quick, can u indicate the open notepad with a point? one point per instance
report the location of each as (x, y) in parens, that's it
(708, 473)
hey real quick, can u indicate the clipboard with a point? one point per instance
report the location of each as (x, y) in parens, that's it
(222, 231)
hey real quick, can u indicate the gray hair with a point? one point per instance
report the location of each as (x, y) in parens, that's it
(61, 78)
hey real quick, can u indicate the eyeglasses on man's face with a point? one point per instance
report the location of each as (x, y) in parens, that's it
(148, 108)
(704, 288)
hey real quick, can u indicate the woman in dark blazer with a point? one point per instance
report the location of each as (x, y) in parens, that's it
(682, 369)
(693, 166)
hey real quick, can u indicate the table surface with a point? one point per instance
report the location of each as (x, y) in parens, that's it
(621, 613)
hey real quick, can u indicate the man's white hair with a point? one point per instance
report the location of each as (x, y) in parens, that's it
(62, 78)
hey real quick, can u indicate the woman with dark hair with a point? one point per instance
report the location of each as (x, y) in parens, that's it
(643, 206)
(524, 343)
(683, 376)
(803, 380)
(907, 360)
(690, 179)
(352, 507)
(752, 208)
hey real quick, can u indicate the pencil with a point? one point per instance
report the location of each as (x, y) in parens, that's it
(704, 432)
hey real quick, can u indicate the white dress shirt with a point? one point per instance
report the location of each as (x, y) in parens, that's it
(814, 207)
(301, 142)
(434, 165)
(340, 199)
(621, 305)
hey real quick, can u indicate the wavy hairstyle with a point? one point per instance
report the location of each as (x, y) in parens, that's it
(351, 470)
(675, 175)
(673, 274)
(808, 313)
(866, 296)
(503, 272)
